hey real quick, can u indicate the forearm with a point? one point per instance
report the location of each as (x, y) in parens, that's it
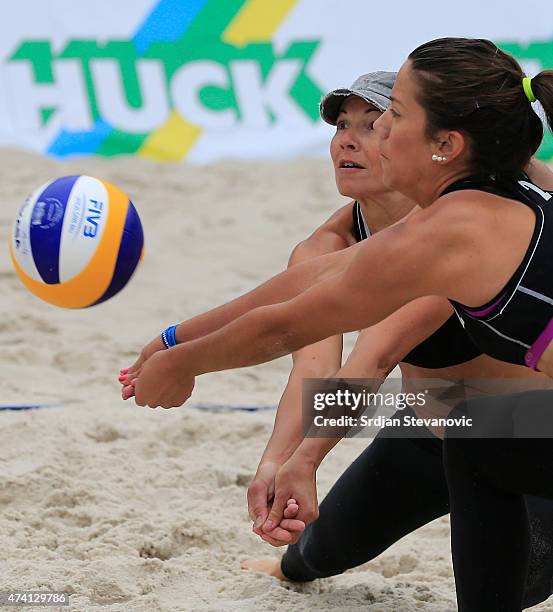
(258, 336)
(363, 362)
(269, 332)
(287, 431)
(368, 359)
(317, 361)
(380, 348)
(312, 451)
(280, 288)
(377, 351)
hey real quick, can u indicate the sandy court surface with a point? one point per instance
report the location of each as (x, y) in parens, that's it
(131, 509)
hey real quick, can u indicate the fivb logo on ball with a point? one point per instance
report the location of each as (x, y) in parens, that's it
(190, 68)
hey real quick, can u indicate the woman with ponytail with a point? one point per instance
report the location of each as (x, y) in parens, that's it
(456, 140)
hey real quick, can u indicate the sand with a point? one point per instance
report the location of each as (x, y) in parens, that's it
(130, 509)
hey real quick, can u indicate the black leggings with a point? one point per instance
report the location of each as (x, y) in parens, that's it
(396, 485)
(494, 543)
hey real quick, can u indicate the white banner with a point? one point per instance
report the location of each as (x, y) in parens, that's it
(208, 79)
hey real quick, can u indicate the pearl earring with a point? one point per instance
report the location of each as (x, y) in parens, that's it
(439, 158)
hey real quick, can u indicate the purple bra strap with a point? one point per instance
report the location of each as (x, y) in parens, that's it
(537, 349)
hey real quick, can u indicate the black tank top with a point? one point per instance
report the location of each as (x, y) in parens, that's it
(449, 345)
(517, 324)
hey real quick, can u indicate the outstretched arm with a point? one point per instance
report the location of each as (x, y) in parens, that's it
(319, 360)
(280, 288)
(389, 270)
(423, 256)
(376, 352)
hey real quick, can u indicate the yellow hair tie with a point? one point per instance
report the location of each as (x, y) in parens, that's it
(527, 86)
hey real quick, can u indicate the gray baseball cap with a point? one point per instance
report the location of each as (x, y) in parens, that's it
(375, 88)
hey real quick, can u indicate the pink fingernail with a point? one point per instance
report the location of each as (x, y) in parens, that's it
(269, 525)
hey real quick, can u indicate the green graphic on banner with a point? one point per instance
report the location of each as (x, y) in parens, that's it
(155, 97)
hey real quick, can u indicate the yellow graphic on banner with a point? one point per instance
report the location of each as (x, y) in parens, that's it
(172, 141)
(257, 21)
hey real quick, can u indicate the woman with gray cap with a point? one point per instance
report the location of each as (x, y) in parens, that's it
(397, 484)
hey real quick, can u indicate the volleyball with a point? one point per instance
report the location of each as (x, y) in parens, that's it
(76, 241)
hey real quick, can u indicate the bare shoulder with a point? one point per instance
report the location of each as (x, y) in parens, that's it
(340, 220)
(460, 205)
(335, 234)
(428, 242)
(452, 217)
(478, 208)
(339, 225)
(471, 226)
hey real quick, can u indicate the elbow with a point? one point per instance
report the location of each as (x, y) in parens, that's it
(375, 359)
(385, 363)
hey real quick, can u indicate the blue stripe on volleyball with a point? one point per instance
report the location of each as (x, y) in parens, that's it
(80, 143)
(128, 257)
(167, 22)
(46, 225)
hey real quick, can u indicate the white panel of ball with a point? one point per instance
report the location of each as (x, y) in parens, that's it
(83, 226)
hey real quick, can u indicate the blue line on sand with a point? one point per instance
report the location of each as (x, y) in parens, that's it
(206, 407)
(29, 406)
(227, 408)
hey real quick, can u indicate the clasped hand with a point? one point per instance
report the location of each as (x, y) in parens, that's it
(282, 500)
(155, 380)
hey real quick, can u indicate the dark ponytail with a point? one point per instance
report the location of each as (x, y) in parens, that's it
(542, 86)
(472, 86)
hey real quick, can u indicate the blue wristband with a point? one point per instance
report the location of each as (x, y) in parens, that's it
(168, 336)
